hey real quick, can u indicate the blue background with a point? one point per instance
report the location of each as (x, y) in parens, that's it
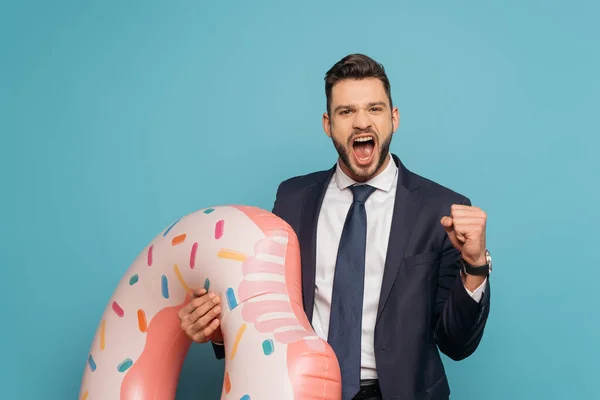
(119, 117)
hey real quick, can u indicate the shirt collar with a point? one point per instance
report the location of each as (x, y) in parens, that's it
(384, 181)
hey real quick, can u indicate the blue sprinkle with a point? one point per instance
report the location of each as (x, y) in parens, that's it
(92, 363)
(245, 397)
(165, 287)
(209, 210)
(231, 298)
(133, 280)
(125, 365)
(167, 231)
(268, 347)
(206, 284)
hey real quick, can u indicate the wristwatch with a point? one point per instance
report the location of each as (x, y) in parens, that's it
(478, 270)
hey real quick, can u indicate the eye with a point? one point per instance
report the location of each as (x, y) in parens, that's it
(376, 109)
(345, 112)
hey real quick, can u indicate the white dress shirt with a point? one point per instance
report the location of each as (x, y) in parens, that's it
(379, 207)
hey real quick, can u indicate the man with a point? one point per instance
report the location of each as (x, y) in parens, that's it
(412, 253)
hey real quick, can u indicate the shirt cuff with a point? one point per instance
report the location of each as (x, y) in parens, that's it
(478, 293)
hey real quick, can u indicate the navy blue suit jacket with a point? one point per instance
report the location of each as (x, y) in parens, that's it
(423, 307)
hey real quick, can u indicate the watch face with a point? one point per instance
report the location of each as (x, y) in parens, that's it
(488, 257)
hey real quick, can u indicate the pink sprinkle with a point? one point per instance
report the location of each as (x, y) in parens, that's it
(193, 255)
(219, 229)
(117, 309)
(150, 255)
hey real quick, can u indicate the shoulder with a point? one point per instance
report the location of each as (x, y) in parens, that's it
(291, 195)
(299, 183)
(432, 192)
(437, 192)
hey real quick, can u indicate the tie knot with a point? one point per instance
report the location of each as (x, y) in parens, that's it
(361, 192)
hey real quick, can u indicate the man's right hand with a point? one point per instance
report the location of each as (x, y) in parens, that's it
(199, 317)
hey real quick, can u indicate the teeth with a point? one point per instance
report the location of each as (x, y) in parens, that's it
(363, 139)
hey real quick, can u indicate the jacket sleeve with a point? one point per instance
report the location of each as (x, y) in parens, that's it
(459, 319)
(219, 350)
(277, 204)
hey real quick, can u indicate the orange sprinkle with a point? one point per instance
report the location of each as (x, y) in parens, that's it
(85, 395)
(238, 337)
(178, 240)
(142, 320)
(103, 335)
(227, 383)
(180, 277)
(231, 255)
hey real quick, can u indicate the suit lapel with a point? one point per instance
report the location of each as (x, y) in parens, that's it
(406, 207)
(313, 199)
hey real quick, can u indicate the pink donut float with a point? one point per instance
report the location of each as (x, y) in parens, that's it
(251, 258)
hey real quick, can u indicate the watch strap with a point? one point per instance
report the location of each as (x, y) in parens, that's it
(482, 270)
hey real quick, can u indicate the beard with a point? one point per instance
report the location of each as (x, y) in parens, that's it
(367, 172)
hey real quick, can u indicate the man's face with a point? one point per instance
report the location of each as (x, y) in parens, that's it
(361, 125)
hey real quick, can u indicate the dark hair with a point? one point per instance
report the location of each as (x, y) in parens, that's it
(355, 66)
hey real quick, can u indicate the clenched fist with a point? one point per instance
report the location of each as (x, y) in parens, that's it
(466, 229)
(199, 318)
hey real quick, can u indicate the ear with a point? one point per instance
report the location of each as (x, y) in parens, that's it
(395, 118)
(326, 124)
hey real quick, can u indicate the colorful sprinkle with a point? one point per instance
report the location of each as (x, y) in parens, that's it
(165, 287)
(267, 346)
(92, 363)
(117, 309)
(238, 337)
(85, 395)
(134, 279)
(219, 229)
(150, 255)
(209, 210)
(180, 277)
(207, 284)
(125, 365)
(103, 334)
(245, 397)
(193, 255)
(227, 383)
(171, 227)
(178, 240)
(231, 255)
(142, 320)
(231, 301)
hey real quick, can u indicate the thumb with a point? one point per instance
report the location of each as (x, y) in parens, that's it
(448, 225)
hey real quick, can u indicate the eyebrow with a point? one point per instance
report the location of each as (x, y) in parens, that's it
(352, 106)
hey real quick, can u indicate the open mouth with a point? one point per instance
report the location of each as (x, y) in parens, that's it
(363, 147)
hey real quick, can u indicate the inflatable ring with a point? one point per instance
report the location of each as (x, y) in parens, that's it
(251, 259)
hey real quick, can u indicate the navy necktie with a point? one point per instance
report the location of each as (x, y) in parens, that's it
(345, 323)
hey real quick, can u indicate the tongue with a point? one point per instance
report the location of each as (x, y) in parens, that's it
(363, 149)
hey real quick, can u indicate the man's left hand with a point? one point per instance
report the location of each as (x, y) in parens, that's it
(466, 229)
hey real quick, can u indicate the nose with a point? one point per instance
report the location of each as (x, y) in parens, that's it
(362, 120)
